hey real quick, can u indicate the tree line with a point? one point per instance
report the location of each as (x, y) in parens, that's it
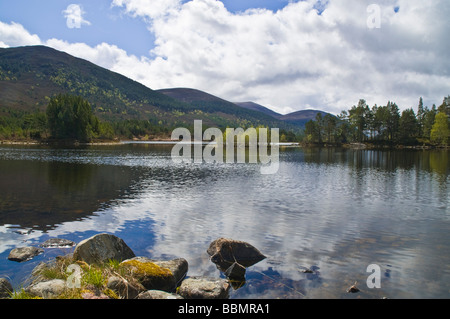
(70, 117)
(382, 125)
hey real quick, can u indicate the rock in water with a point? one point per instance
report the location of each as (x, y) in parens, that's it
(24, 253)
(236, 272)
(57, 243)
(225, 252)
(178, 267)
(353, 289)
(150, 275)
(101, 248)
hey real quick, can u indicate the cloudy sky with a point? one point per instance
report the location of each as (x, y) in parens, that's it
(286, 55)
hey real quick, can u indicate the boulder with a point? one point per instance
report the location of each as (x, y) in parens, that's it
(22, 254)
(158, 294)
(236, 272)
(204, 288)
(123, 288)
(47, 289)
(150, 275)
(101, 248)
(178, 267)
(225, 252)
(57, 243)
(6, 288)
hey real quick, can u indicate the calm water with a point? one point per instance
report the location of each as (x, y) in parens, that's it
(335, 211)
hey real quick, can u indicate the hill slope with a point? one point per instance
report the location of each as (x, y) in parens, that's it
(259, 108)
(213, 104)
(30, 76)
(300, 118)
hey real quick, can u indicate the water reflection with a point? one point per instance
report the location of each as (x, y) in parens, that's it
(334, 211)
(40, 195)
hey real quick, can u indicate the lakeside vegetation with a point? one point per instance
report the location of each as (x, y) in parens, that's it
(107, 106)
(383, 126)
(70, 117)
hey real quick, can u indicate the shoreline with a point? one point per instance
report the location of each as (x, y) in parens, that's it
(361, 146)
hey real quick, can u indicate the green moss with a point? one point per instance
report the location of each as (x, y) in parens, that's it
(147, 269)
(110, 293)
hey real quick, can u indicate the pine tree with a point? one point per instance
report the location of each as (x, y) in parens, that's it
(408, 127)
(71, 117)
(420, 116)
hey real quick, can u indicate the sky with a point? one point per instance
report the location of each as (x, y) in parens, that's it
(286, 55)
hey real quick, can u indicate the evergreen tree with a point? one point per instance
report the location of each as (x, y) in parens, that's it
(71, 117)
(420, 116)
(311, 131)
(445, 106)
(357, 116)
(330, 123)
(320, 127)
(428, 121)
(392, 121)
(408, 127)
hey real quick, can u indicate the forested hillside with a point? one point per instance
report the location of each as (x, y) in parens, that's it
(31, 76)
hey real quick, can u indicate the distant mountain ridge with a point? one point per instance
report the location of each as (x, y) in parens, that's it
(30, 76)
(257, 107)
(197, 97)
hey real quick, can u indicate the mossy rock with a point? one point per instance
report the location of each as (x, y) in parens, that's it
(150, 275)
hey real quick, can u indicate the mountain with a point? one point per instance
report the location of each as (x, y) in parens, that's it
(300, 118)
(195, 97)
(211, 103)
(259, 108)
(30, 76)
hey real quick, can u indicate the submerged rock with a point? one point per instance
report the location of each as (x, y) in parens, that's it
(101, 248)
(236, 272)
(353, 289)
(22, 254)
(225, 252)
(204, 288)
(57, 243)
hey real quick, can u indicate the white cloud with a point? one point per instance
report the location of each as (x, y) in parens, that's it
(74, 15)
(144, 8)
(288, 60)
(295, 58)
(14, 34)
